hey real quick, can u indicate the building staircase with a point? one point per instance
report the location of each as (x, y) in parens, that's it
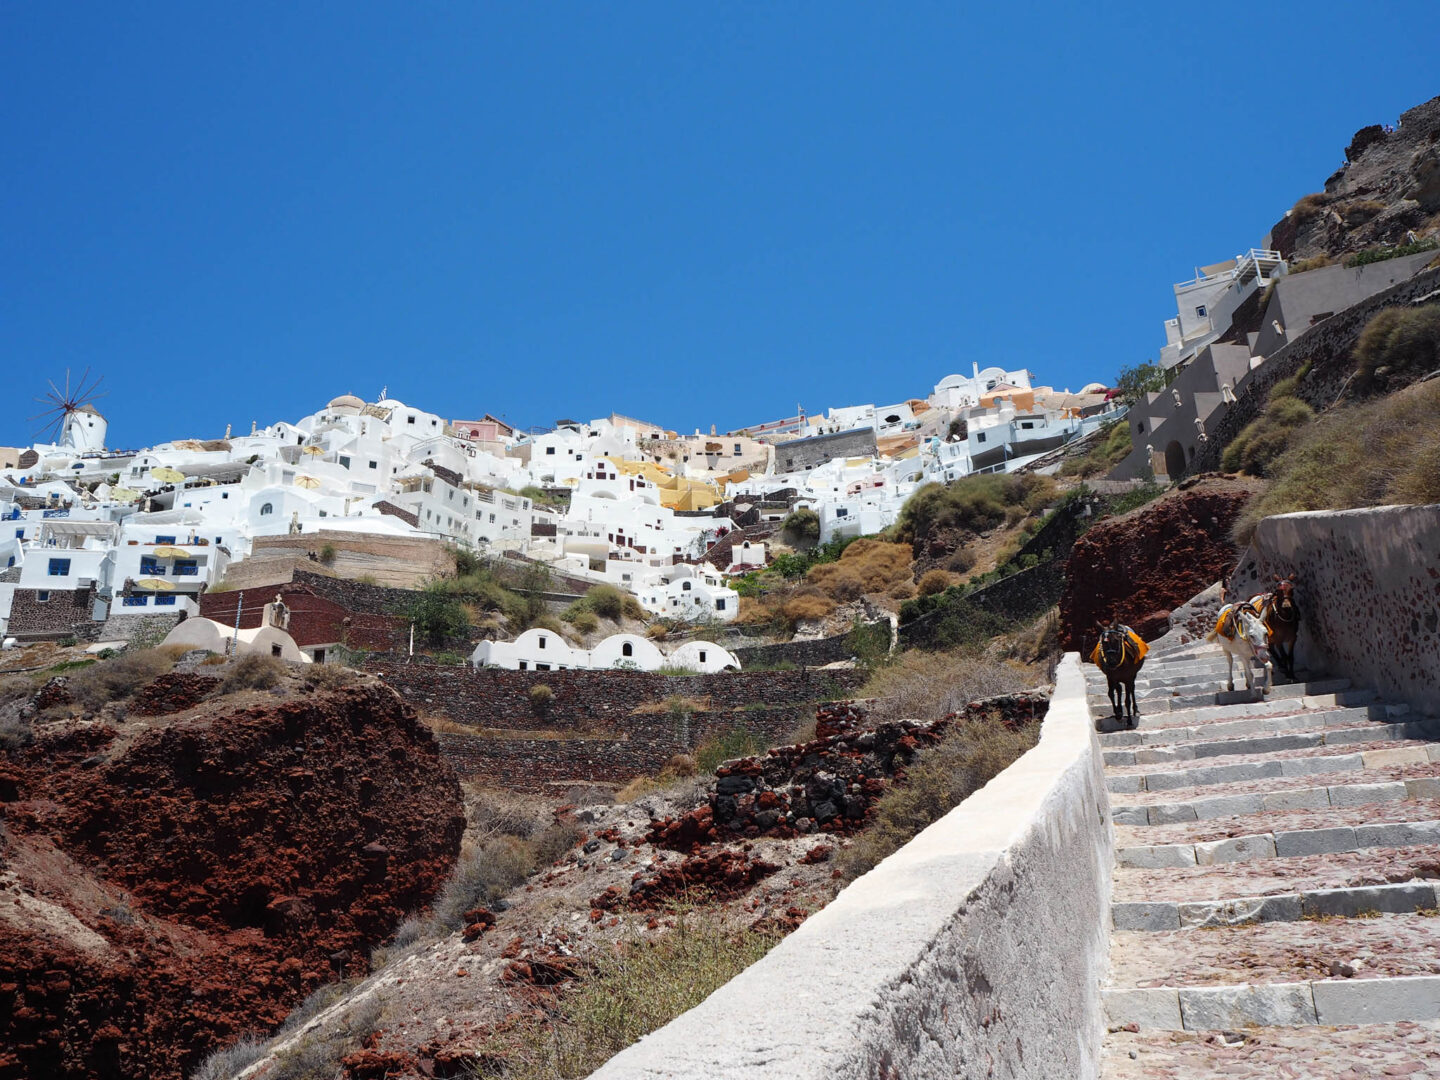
(1277, 878)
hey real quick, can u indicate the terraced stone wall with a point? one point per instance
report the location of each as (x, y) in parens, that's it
(1368, 586)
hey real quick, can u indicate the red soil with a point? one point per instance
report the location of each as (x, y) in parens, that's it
(165, 887)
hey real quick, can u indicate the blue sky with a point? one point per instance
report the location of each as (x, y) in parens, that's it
(693, 213)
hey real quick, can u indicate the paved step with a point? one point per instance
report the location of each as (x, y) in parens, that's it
(1346, 901)
(1329, 1002)
(1239, 727)
(1193, 694)
(1312, 1052)
(1360, 731)
(1280, 795)
(1306, 762)
(1284, 844)
(1381, 947)
(1278, 821)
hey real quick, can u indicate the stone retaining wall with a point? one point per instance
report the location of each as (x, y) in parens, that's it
(1368, 586)
(975, 950)
(594, 700)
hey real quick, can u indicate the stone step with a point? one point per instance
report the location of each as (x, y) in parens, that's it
(1366, 731)
(1353, 901)
(1316, 761)
(1304, 720)
(1327, 1002)
(1382, 946)
(1160, 703)
(1290, 843)
(1193, 715)
(1277, 821)
(1197, 693)
(1279, 798)
(1266, 1053)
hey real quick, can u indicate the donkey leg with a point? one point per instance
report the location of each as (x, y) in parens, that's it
(1230, 670)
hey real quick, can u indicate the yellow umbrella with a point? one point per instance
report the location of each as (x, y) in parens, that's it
(167, 475)
(123, 494)
(155, 584)
(314, 451)
(306, 482)
(165, 551)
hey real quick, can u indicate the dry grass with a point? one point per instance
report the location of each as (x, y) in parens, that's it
(1382, 452)
(253, 671)
(117, 678)
(934, 581)
(867, 566)
(1315, 262)
(922, 685)
(942, 778)
(1310, 206)
(639, 988)
(1398, 341)
(1257, 446)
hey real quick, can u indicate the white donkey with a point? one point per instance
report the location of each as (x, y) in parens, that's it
(1240, 632)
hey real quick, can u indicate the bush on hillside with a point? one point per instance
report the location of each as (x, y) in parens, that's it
(1265, 438)
(801, 528)
(1398, 341)
(253, 671)
(975, 504)
(116, 679)
(934, 581)
(1111, 447)
(606, 601)
(1381, 452)
(1310, 206)
(439, 618)
(867, 566)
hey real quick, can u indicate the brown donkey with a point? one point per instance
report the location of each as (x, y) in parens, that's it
(1281, 616)
(1120, 654)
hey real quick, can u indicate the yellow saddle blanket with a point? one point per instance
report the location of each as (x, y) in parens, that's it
(1136, 642)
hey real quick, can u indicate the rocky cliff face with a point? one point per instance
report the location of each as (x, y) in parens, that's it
(1388, 187)
(168, 884)
(1140, 566)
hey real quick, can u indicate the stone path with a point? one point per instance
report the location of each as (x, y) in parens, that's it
(1276, 908)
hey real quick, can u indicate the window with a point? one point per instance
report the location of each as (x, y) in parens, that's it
(980, 437)
(135, 601)
(1027, 424)
(374, 464)
(344, 462)
(523, 665)
(542, 641)
(542, 667)
(43, 596)
(492, 519)
(550, 450)
(702, 651)
(410, 419)
(737, 449)
(186, 568)
(19, 534)
(219, 540)
(164, 539)
(841, 512)
(150, 566)
(165, 601)
(59, 567)
(1200, 312)
(267, 509)
(627, 649)
(685, 586)
(275, 650)
(719, 606)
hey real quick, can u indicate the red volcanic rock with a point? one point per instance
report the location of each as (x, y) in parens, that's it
(720, 875)
(189, 882)
(1142, 565)
(173, 693)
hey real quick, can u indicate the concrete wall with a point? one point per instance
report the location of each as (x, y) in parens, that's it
(1368, 586)
(975, 950)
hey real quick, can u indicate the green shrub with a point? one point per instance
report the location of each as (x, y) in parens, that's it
(582, 619)
(607, 601)
(1265, 438)
(1141, 379)
(327, 554)
(1383, 254)
(1398, 341)
(541, 696)
(738, 742)
(975, 503)
(801, 527)
(439, 618)
(114, 680)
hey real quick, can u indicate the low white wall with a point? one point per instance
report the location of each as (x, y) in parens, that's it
(1368, 586)
(975, 950)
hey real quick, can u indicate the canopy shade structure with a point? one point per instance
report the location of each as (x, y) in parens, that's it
(167, 475)
(155, 584)
(314, 451)
(123, 494)
(165, 551)
(307, 482)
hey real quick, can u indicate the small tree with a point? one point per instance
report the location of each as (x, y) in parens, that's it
(438, 617)
(1137, 381)
(802, 527)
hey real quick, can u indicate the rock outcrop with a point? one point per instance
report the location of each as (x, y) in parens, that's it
(1142, 565)
(166, 886)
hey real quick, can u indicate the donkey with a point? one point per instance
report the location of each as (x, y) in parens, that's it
(1120, 654)
(1281, 616)
(1239, 631)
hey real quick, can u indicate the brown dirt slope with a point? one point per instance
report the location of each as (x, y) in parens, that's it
(1142, 565)
(168, 884)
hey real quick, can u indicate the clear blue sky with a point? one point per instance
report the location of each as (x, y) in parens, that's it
(693, 213)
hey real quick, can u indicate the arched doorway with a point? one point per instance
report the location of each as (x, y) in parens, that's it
(1174, 460)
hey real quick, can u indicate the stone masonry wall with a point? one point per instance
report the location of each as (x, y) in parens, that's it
(60, 615)
(592, 700)
(1368, 586)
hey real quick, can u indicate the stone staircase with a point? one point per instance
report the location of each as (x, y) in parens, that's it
(1275, 894)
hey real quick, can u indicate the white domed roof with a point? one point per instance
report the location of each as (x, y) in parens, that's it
(346, 401)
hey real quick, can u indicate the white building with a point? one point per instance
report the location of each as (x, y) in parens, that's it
(545, 650)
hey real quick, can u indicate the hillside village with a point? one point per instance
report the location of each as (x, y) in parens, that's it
(388, 743)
